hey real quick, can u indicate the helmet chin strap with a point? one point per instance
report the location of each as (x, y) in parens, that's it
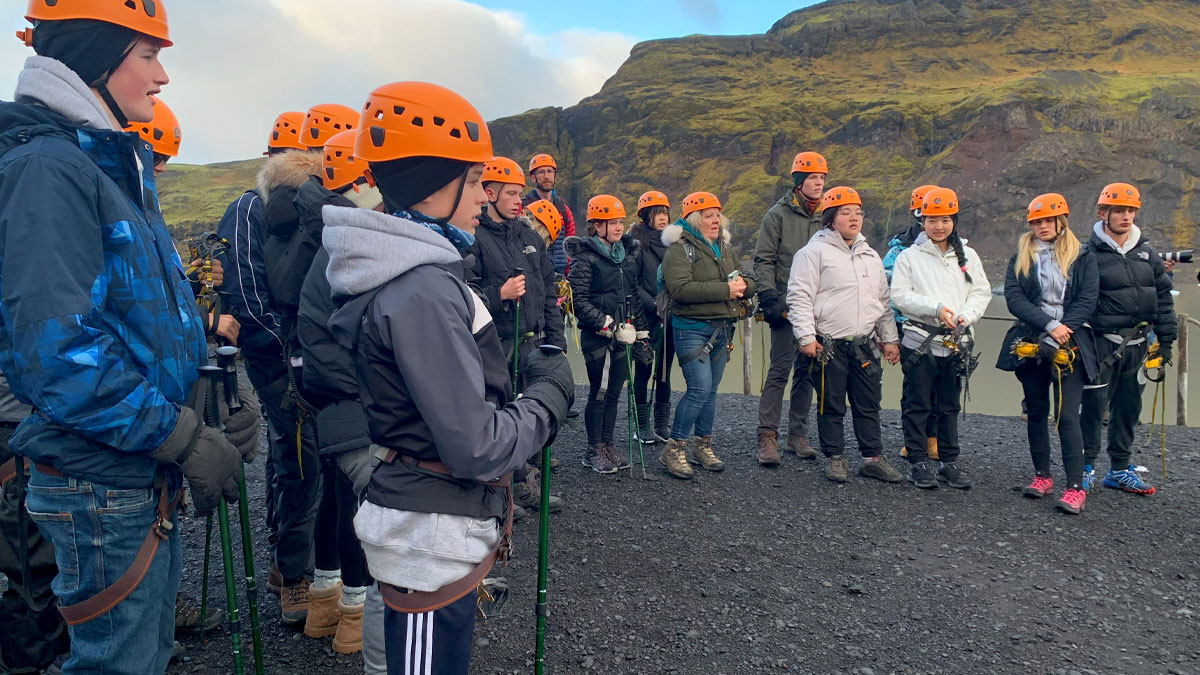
(101, 86)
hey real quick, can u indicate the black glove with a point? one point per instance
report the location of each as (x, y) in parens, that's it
(1164, 350)
(1046, 352)
(208, 461)
(242, 428)
(773, 307)
(550, 383)
(643, 353)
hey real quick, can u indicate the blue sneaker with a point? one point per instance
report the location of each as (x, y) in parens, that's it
(1128, 480)
(1089, 478)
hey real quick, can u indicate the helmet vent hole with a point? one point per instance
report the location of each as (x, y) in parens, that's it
(397, 110)
(418, 122)
(378, 114)
(149, 7)
(131, 4)
(455, 133)
(438, 121)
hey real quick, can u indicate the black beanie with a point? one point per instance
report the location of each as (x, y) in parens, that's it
(91, 48)
(798, 178)
(406, 182)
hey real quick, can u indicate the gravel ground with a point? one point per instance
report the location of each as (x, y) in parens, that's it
(761, 570)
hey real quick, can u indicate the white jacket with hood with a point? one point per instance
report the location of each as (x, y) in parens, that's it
(838, 290)
(925, 280)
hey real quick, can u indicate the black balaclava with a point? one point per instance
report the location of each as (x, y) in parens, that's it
(405, 182)
(93, 49)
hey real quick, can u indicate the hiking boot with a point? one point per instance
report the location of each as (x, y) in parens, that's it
(931, 447)
(187, 616)
(1072, 500)
(880, 469)
(1040, 487)
(672, 457)
(838, 470)
(518, 512)
(903, 451)
(768, 448)
(954, 475)
(274, 580)
(922, 475)
(595, 457)
(348, 638)
(322, 619)
(646, 433)
(1128, 480)
(1089, 478)
(528, 494)
(800, 446)
(702, 454)
(536, 461)
(294, 601)
(617, 456)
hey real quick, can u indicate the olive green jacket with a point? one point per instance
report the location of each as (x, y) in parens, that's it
(699, 286)
(786, 228)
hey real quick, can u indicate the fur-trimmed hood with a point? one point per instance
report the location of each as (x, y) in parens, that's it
(289, 169)
(673, 233)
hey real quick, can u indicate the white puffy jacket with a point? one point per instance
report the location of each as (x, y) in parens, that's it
(838, 291)
(925, 280)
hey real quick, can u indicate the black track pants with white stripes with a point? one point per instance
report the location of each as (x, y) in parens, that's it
(431, 643)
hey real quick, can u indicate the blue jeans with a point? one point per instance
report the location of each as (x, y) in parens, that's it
(696, 410)
(96, 531)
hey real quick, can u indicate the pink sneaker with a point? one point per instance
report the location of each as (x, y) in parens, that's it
(1072, 500)
(1040, 487)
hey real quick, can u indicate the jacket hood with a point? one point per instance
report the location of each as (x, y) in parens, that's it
(312, 196)
(289, 169)
(50, 83)
(674, 232)
(575, 245)
(925, 244)
(1099, 236)
(20, 122)
(828, 237)
(368, 249)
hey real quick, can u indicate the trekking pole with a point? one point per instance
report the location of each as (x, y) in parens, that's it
(212, 417)
(541, 608)
(633, 425)
(227, 361)
(516, 335)
(204, 581)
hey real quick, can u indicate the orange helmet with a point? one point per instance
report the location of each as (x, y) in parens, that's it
(161, 132)
(939, 202)
(503, 170)
(918, 195)
(1120, 194)
(323, 121)
(147, 17)
(547, 215)
(1048, 205)
(698, 201)
(840, 196)
(605, 207)
(340, 166)
(419, 119)
(285, 133)
(653, 198)
(541, 159)
(809, 162)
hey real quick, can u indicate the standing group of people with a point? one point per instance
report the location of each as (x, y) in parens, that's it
(398, 298)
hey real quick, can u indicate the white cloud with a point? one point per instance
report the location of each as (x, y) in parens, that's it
(236, 64)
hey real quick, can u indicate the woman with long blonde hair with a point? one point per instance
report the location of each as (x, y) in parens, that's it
(1051, 287)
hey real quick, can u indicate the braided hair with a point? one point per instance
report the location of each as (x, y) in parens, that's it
(955, 241)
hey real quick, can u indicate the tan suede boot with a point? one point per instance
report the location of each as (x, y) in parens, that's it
(348, 639)
(768, 448)
(931, 447)
(322, 620)
(672, 457)
(702, 454)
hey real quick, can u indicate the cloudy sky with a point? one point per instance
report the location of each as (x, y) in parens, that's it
(238, 63)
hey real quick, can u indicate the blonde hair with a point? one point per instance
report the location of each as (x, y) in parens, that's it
(1066, 249)
(694, 219)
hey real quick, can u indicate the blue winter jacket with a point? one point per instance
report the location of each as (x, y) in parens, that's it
(245, 289)
(99, 330)
(896, 246)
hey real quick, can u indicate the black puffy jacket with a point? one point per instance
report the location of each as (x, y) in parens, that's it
(651, 258)
(600, 288)
(1134, 288)
(501, 248)
(1023, 295)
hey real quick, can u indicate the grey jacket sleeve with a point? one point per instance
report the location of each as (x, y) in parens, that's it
(766, 252)
(433, 337)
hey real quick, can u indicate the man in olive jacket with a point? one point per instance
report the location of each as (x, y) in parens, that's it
(786, 228)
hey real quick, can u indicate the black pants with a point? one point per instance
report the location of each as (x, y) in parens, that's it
(1042, 392)
(607, 374)
(1121, 395)
(430, 643)
(660, 371)
(844, 374)
(930, 384)
(335, 544)
(297, 472)
(524, 349)
(30, 637)
(931, 424)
